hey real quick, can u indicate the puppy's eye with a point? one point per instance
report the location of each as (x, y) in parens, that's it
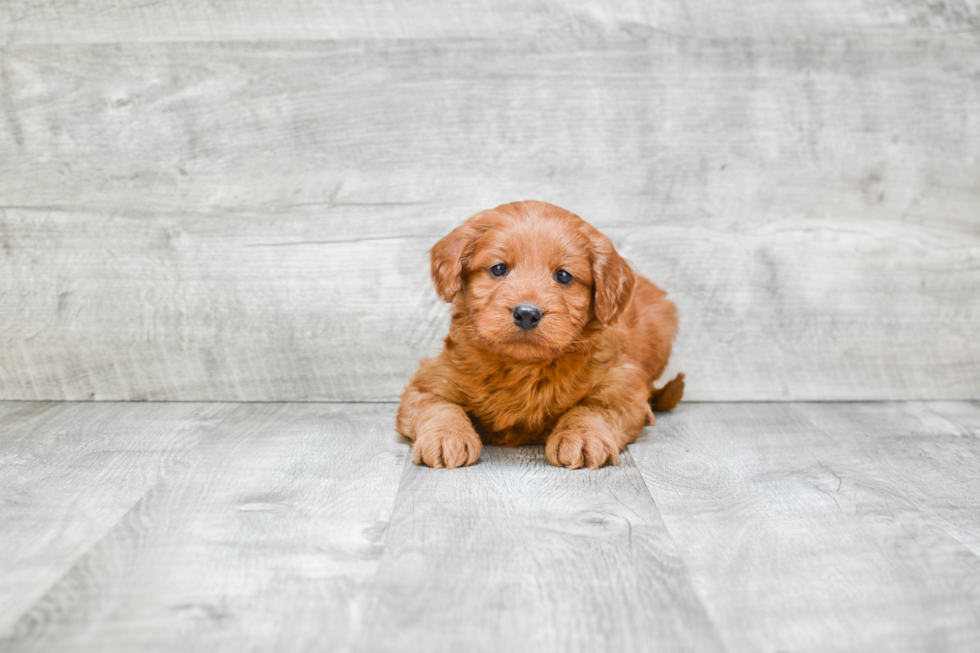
(564, 277)
(498, 270)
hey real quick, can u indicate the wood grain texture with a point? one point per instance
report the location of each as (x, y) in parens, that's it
(962, 413)
(185, 20)
(262, 540)
(924, 449)
(513, 554)
(249, 221)
(69, 472)
(288, 527)
(804, 529)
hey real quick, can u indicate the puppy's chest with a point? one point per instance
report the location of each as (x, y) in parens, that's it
(517, 406)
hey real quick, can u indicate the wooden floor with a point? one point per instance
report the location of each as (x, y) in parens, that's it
(282, 527)
(233, 202)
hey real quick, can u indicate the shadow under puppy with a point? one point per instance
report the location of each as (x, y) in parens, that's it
(554, 340)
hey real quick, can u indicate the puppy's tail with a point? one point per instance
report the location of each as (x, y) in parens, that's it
(670, 395)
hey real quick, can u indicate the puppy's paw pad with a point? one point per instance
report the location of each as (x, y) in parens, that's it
(575, 448)
(449, 449)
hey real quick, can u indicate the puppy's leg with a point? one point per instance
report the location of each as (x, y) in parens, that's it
(593, 432)
(442, 433)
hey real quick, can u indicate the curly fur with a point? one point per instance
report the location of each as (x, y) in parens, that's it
(581, 382)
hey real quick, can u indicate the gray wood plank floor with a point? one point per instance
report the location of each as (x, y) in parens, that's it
(288, 527)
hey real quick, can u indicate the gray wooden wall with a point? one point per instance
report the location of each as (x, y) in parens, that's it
(234, 200)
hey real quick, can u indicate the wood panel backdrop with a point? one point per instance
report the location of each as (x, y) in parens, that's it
(234, 201)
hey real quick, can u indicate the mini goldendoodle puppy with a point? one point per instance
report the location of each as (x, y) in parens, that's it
(554, 340)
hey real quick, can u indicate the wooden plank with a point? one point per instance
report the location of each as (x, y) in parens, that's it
(15, 416)
(924, 449)
(795, 541)
(263, 539)
(513, 554)
(69, 472)
(249, 221)
(961, 413)
(213, 316)
(177, 20)
(670, 129)
(809, 311)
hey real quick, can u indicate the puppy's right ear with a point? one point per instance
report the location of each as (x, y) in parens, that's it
(613, 277)
(451, 255)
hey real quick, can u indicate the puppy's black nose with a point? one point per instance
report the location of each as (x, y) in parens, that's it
(527, 316)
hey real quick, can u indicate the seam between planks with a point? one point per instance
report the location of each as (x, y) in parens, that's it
(179, 460)
(705, 606)
(383, 402)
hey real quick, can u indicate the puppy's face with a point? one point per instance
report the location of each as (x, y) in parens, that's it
(532, 277)
(529, 288)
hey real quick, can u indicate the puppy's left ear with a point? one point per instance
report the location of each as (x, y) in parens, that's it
(450, 257)
(613, 279)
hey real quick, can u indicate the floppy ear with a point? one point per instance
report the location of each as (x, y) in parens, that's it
(613, 279)
(450, 257)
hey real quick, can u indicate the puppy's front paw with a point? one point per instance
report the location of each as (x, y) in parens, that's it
(585, 441)
(451, 447)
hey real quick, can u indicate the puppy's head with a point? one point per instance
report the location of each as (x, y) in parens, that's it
(530, 278)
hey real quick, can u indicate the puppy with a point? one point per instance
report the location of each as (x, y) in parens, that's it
(554, 340)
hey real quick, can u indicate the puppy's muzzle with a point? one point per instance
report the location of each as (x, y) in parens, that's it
(526, 316)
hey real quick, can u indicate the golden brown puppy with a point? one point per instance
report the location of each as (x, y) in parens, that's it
(554, 340)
